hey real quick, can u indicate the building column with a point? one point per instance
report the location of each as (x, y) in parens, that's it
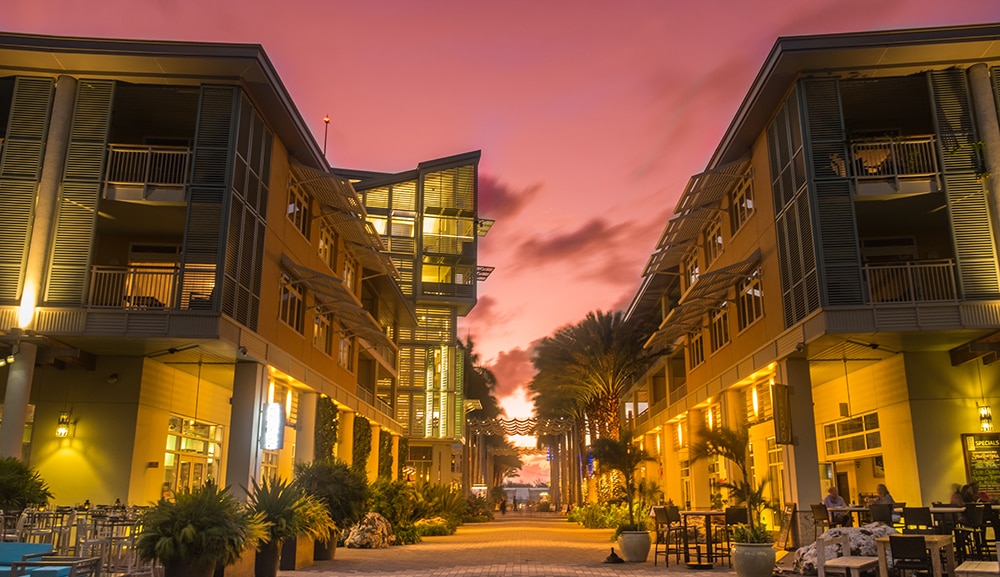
(305, 429)
(394, 474)
(701, 491)
(373, 457)
(988, 128)
(244, 452)
(345, 435)
(801, 457)
(18, 394)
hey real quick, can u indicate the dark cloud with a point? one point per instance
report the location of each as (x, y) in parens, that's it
(498, 201)
(513, 370)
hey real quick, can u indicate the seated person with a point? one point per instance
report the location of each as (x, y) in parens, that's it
(884, 498)
(833, 499)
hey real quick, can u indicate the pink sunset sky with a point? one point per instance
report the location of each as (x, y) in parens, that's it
(591, 116)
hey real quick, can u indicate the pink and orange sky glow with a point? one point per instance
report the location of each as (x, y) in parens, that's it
(591, 115)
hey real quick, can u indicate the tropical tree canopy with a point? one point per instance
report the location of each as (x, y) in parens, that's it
(584, 368)
(732, 445)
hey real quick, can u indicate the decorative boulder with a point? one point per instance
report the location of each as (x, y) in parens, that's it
(373, 531)
(862, 541)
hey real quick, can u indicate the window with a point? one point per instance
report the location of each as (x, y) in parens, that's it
(758, 402)
(713, 241)
(741, 204)
(350, 273)
(193, 453)
(328, 246)
(750, 300)
(852, 435)
(691, 270)
(345, 352)
(298, 210)
(718, 328)
(323, 333)
(269, 466)
(292, 306)
(696, 350)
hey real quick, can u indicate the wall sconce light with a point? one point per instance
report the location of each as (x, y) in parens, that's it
(985, 418)
(62, 428)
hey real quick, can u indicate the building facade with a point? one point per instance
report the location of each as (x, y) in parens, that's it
(428, 220)
(185, 280)
(830, 280)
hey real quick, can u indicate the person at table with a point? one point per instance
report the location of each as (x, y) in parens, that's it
(956, 496)
(837, 518)
(981, 496)
(882, 497)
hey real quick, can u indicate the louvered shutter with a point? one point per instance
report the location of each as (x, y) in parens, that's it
(836, 229)
(968, 205)
(20, 170)
(76, 216)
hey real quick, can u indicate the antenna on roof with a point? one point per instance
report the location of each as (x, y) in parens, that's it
(326, 130)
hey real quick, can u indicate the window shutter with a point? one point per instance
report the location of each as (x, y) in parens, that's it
(76, 217)
(20, 170)
(968, 205)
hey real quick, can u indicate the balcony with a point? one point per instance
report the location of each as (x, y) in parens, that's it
(152, 288)
(147, 173)
(891, 167)
(911, 281)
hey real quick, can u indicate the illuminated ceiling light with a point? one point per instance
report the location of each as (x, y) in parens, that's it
(680, 435)
(755, 401)
(10, 359)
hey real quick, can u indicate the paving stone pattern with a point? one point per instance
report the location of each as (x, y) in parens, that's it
(514, 545)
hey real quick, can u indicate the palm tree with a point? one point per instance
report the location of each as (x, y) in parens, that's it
(479, 382)
(732, 444)
(590, 363)
(624, 456)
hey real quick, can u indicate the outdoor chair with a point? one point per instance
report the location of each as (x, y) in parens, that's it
(723, 541)
(821, 519)
(881, 513)
(970, 534)
(909, 553)
(917, 520)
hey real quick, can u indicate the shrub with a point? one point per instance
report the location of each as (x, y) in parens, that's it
(434, 527)
(599, 516)
(441, 501)
(21, 486)
(477, 510)
(398, 503)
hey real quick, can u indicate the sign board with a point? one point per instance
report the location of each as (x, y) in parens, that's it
(274, 426)
(782, 415)
(787, 518)
(982, 460)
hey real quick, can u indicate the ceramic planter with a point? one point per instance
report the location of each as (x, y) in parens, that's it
(195, 568)
(634, 545)
(753, 559)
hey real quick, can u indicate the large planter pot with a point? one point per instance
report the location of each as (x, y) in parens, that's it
(243, 567)
(753, 559)
(193, 568)
(634, 545)
(266, 561)
(325, 550)
(296, 553)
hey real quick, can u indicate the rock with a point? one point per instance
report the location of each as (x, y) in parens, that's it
(372, 532)
(862, 541)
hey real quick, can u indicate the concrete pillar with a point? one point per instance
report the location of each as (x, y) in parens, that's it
(394, 475)
(373, 457)
(244, 454)
(701, 492)
(47, 199)
(345, 435)
(15, 402)
(305, 429)
(801, 457)
(984, 105)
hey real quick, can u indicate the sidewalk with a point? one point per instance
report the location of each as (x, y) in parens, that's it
(515, 545)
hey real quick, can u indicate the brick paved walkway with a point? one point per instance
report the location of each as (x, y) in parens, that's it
(514, 545)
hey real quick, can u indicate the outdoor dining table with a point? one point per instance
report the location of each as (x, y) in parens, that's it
(937, 544)
(977, 569)
(853, 510)
(945, 516)
(699, 564)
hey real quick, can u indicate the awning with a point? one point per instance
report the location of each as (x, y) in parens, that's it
(706, 189)
(677, 240)
(706, 294)
(363, 242)
(329, 190)
(332, 296)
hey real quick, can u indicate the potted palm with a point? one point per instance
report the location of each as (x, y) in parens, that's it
(623, 456)
(288, 512)
(198, 530)
(753, 552)
(21, 486)
(341, 488)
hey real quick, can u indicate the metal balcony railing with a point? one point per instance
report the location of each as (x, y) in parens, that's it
(148, 165)
(913, 281)
(152, 288)
(894, 157)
